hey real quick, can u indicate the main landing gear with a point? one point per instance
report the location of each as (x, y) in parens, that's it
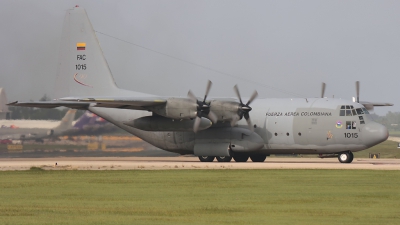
(346, 157)
(224, 158)
(206, 158)
(236, 157)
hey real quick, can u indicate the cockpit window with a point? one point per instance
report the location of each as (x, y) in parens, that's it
(365, 111)
(359, 111)
(349, 110)
(361, 119)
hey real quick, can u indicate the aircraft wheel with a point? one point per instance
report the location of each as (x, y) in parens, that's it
(224, 158)
(206, 158)
(346, 157)
(258, 158)
(241, 158)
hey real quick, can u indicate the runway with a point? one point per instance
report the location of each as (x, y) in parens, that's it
(184, 163)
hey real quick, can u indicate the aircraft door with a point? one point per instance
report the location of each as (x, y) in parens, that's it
(353, 128)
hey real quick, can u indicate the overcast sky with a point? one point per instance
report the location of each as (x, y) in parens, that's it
(268, 45)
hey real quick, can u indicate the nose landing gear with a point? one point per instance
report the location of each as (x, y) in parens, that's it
(346, 157)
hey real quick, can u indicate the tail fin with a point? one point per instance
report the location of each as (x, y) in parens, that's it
(66, 122)
(83, 70)
(89, 119)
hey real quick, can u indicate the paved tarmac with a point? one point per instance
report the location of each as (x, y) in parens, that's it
(173, 163)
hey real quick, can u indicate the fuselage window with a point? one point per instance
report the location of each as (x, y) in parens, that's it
(351, 125)
(359, 111)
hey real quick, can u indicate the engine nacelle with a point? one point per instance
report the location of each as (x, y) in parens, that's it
(224, 110)
(177, 108)
(158, 123)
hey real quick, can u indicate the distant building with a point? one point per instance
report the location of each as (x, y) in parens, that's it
(4, 113)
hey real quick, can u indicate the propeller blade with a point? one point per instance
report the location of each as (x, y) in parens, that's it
(196, 124)
(323, 90)
(358, 91)
(248, 120)
(209, 84)
(213, 117)
(255, 94)
(238, 94)
(192, 96)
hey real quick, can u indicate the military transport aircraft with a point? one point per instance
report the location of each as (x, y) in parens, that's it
(208, 128)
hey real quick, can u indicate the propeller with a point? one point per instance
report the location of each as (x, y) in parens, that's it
(367, 105)
(358, 91)
(244, 109)
(203, 109)
(323, 90)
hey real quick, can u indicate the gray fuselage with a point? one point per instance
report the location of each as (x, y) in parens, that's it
(285, 126)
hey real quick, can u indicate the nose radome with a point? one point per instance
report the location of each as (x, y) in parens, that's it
(374, 133)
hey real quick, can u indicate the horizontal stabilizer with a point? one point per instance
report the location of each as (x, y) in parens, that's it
(51, 104)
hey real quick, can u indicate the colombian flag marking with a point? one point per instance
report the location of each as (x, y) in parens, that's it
(80, 46)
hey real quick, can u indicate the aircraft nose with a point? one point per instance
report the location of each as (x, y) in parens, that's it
(374, 133)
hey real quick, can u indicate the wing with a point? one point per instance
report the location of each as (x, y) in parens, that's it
(138, 103)
(376, 103)
(371, 105)
(51, 104)
(105, 102)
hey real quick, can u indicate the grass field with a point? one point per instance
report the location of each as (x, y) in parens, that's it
(200, 197)
(387, 149)
(394, 133)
